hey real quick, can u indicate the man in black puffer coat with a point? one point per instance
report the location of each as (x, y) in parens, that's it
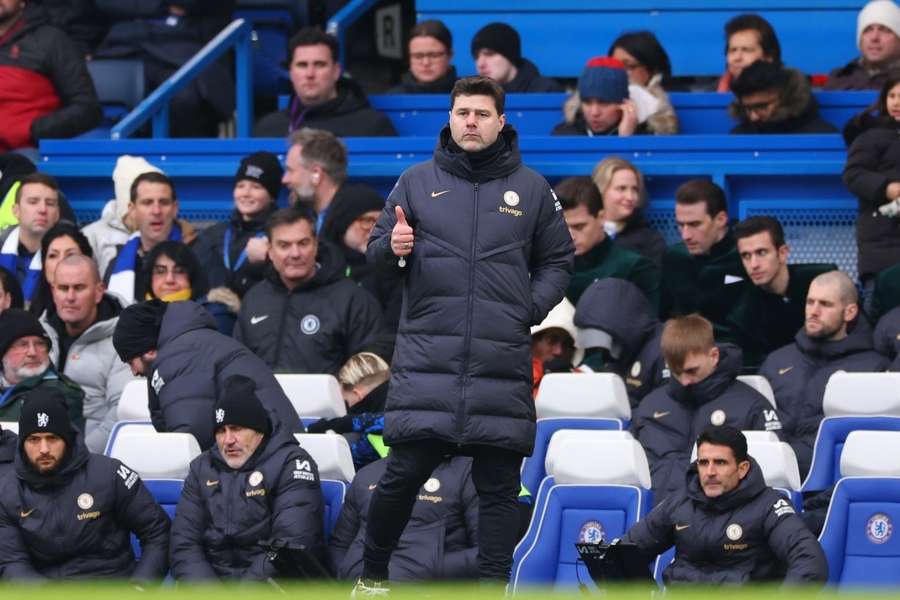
(440, 541)
(702, 391)
(186, 362)
(8, 442)
(483, 248)
(886, 339)
(256, 484)
(66, 513)
(727, 526)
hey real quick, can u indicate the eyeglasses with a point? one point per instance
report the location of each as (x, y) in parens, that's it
(163, 270)
(366, 221)
(421, 56)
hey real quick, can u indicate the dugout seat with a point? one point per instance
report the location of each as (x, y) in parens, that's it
(10, 426)
(126, 428)
(331, 452)
(313, 395)
(134, 402)
(595, 395)
(155, 455)
(761, 385)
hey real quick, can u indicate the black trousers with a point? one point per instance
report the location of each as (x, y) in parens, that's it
(495, 473)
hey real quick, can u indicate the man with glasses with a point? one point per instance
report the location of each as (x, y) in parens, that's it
(770, 98)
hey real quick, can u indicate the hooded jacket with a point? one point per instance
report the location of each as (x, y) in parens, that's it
(607, 259)
(492, 257)
(76, 523)
(856, 76)
(529, 80)
(347, 115)
(314, 328)
(12, 398)
(669, 419)
(887, 338)
(224, 513)
(799, 372)
(749, 534)
(192, 364)
(410, 85)
(441, 539)
(92, 363)
(797, 112)
(45, 88)
(873, 161)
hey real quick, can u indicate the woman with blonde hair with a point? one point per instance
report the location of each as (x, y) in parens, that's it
(622, 187)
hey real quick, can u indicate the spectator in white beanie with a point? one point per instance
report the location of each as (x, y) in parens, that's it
(878, 38)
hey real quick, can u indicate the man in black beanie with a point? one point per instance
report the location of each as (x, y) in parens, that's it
(255, 484)
(497, 51)
(186, 362)
(66, 513)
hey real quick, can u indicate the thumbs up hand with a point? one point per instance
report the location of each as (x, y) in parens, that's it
(402, 237)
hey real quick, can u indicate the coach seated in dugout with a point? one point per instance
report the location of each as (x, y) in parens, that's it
(727, 526)
(255, 485)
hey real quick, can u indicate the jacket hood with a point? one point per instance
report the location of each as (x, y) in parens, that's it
(331, 264)
(75, 458)
(797, 107)
(373, 402)
(859, 339)
(619, 308)
(498, 160)
(272, 443)
(698, 394)
(749, 488)
(181, 318)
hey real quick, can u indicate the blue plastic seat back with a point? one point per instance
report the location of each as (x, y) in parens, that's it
(826, 462)
(333, 492)
(166, 492)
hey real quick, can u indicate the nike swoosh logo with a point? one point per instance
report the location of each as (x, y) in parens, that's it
(784, 370)
(660, 414)
(681, 527)
(23, 513)
(441, 193)
(255, 320)
(372, 486)
(211, 483)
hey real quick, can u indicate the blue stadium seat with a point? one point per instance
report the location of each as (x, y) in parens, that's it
(120, 87)
(166, 492)
(833, 431)
(595, 395)
(126, 427)
(333, 492)
(274, 21)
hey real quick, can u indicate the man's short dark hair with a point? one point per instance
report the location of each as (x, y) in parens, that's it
(313, 36)
(726, 435)
(151, 177)
(754, 225)
(761, 76)
(37, 177)
(10, 285)
(479, 86)
(289, 216)
(768, 41)
(696, 191)
(573, 192)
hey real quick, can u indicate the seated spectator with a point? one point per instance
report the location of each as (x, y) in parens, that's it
(80, 329)
(441, 539)
(233, 253)
(305, 316)
(37, 210)
(164, 37)
(834, 338)
(596, 255)
(703, 391)
(770, 98)
(45, 88)
(62, 240)
(497, 50)
(68, 514)
(81, 21)
(726, 492)
(621, 185)
(364, 387)
(886, 339)
(703, 273)
(116, 223)
(619, 332)
(606, 105)
(255, 484)
(322, 98)
(883, 113)
(430, 50)
(154, 208)
(648, 67)
(886, 295)
(748, 38)
(872, 174)
(186, 363)
(772, 310)
(13, 167)
(877, 31)
(10, 291)
(553, 344)
(25, 352)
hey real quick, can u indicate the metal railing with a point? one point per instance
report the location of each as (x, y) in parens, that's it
(341, 21)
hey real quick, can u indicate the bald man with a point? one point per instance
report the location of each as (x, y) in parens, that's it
(81, 328)
(835, 337)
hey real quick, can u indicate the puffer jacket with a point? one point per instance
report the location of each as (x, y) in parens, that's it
(887, 338)
(106, 235)
(314, 328)
(749, 534)
(410, 85)
(492, 257)
(192, 364)
(886, 296)
(441, 539)
(529, 80)
(12, 398)
(798, 111)
(76, 523)
(92, 363)
(224, 513)
(8, 442)
(670, 418)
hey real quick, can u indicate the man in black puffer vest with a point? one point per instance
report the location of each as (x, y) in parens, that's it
(484, 252)
(66, 513)
(702, 391)
(256, 484)
(727, 526)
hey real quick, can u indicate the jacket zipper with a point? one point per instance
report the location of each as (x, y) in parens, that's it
(470, 301)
